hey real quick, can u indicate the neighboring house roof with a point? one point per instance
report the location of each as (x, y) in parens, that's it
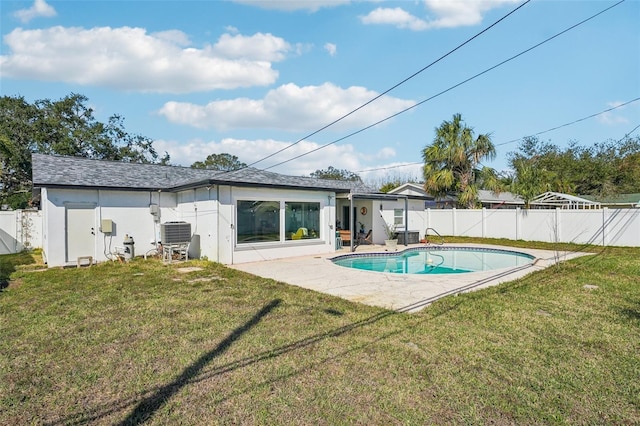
(617, 200)
(486, 196)
(80, 172)
(412, 190)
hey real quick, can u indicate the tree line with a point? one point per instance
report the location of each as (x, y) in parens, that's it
(452, 161)
(453, 166)
(63, 127)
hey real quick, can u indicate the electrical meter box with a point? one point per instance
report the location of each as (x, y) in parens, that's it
(106, 226)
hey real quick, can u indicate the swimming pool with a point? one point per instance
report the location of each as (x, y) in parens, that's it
(435, 260)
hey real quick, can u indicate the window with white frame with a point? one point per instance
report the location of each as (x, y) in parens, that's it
(258, 221)
(261, 221)
(398, 217)
(301, 220)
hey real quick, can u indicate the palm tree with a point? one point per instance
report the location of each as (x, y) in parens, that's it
(530, 180)
(451, 163)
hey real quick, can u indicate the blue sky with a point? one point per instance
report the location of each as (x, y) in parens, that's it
(250, 78)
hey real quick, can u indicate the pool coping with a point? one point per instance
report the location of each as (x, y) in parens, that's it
(399, 292)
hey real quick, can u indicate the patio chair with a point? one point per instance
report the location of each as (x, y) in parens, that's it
(345, 236)
(366, 239)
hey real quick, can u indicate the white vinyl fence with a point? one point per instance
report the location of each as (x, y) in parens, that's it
(19, 230)
(615, 227)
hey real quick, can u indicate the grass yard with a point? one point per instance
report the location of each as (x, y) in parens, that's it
(145, 342)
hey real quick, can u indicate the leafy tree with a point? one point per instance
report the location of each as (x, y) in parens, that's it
(222, 162)
(529, 180)
(628, 167)
(17, 141)
(63, 127)
(336, 174)
(390, 186)
(451, 163)
(392, 180)
(602, 169)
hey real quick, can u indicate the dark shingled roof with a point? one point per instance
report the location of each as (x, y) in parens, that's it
(80, 172)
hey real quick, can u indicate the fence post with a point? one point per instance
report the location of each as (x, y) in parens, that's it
(518, 224)
(428, 221)
(484, 222)
(557, 230)
(604, 226)
(453, 217)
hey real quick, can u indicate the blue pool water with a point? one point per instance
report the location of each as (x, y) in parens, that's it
(435, 260)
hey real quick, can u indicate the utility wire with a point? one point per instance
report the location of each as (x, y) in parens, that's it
(534, 134)
(393, 87)
(446, 90)
(569, 124)
(628, 134)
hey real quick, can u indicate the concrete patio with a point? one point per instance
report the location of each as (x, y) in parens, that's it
(399, 292)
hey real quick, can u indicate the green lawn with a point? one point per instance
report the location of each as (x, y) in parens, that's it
(144, 342)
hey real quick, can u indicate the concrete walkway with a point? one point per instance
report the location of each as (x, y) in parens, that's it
(400, 292)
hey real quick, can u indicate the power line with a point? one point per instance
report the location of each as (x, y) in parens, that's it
(571, 123)
(444, 91)
(532, 135)
(628, 134)
(393, 87)
(397, 166)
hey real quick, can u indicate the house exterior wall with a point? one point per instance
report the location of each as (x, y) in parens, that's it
(200, 208)
(128, 210)
(385, 213)
(210, 211)
(241, 253)
(369, 220)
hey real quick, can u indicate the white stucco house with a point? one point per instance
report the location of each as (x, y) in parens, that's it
(91, 207)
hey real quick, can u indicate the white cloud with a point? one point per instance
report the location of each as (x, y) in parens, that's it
(250, 151)
(258, 47)
(396, 16)
(331, 48)
(291, 5)
(40, 8)
(458, 13)
(129, 59)
(447, 14)
(385, 153)
(288, 107)
(612, 117)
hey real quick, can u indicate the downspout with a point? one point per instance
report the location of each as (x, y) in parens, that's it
(218, 224)
(406, 221)
(351, 219)
(98, 228)
(232, 240)
(195, 208)
(153, 222)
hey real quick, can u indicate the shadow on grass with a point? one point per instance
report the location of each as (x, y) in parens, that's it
(631, 314)
(155, 398)
(147, 408)
(9, 264)
(194, 374)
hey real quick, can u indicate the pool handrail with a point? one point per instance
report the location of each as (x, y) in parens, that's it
(426, 237)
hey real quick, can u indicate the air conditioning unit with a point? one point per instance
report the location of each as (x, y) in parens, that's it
(175, 232)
